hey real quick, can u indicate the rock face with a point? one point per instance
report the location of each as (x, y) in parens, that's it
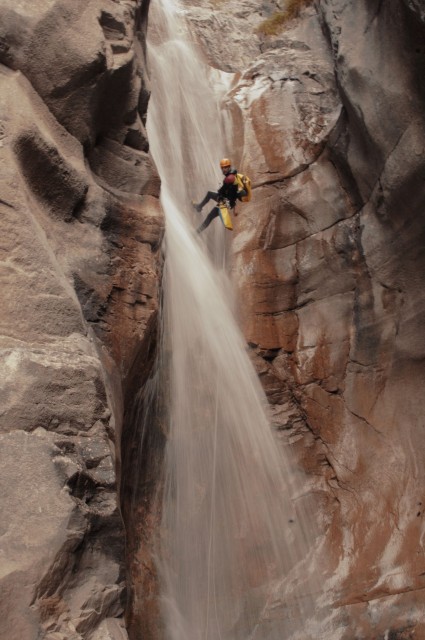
(80, 232)
(329, 264)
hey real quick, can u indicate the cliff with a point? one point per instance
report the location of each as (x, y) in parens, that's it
(328, 264)
(80, 231)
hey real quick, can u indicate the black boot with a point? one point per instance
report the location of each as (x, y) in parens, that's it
(214, 213)
(197, 207)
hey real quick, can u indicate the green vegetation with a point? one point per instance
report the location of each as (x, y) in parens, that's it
(275, 24)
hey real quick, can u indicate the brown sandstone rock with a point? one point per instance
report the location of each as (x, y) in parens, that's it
(328, 262)
(79, 277)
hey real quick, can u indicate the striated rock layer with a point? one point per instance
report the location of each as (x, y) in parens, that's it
(80, 230)
(329, 263)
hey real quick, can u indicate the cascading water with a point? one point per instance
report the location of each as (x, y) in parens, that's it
(230, 535)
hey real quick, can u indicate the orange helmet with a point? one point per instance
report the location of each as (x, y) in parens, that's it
(225, 163)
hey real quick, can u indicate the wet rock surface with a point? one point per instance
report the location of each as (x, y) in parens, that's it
(328, 261)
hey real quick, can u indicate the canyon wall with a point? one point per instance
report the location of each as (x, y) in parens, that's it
(328, 264)
(80, 231)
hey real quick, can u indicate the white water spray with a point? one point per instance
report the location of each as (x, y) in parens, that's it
(230, 534)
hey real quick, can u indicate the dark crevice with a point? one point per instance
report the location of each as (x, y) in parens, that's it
(113, 29)
(143, 445)
(80, 205)
(375, 15)
(82, 486)
(7, 204)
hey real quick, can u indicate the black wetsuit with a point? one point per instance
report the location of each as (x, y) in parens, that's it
(226, 192)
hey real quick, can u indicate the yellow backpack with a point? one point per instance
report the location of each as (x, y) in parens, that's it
(244, 183)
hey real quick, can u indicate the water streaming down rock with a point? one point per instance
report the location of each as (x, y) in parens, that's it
(230, 533)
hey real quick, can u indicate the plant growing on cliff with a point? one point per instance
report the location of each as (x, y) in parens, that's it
(275, 24)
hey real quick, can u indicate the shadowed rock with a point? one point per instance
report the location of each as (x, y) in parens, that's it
(79, 277)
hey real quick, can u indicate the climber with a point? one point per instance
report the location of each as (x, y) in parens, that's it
(230, 190)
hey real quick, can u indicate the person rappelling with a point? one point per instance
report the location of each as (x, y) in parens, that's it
(235, 187)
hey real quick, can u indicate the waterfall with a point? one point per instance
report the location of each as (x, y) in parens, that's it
(233, 534)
